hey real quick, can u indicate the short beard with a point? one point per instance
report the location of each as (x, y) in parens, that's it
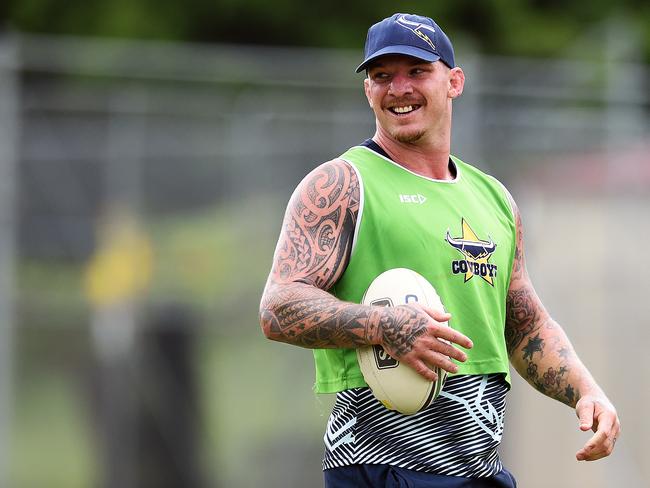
(408, 137)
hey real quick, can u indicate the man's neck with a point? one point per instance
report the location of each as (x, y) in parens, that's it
(430, 159)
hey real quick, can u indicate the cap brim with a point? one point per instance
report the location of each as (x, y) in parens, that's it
(415, 52)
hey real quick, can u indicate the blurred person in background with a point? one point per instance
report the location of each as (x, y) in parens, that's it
(349, 220)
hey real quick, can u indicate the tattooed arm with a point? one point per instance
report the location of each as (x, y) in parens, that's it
(542, 354)
(311, 255)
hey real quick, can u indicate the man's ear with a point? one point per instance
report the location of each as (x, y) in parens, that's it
(366, 90)
(456, 82)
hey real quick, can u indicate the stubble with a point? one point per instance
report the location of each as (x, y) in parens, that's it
(407, 137)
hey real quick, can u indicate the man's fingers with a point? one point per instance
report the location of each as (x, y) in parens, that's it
(451, 351)
(444, 332)
(588, 455)
(595, 443)
(433, 359)
(598, 416)
(438, 315)
(599, 446)
(424, 367)
(451, 335)
(423, 370)
(436, 347)
(448, 366)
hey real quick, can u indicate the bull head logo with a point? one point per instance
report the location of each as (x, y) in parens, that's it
(472, 249)
(476, 252)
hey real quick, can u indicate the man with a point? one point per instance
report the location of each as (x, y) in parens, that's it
(349, 220)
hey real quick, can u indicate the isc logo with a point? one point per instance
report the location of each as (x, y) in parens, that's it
(419, 199)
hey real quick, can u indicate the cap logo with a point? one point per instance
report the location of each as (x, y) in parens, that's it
(417, 29)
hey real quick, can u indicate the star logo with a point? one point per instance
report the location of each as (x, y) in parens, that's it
(476, 252)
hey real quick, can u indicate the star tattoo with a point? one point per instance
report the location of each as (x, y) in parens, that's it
(534, 345)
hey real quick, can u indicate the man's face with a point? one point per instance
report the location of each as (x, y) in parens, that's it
(410, 97)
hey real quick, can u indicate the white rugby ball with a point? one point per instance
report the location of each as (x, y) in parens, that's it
(397, 385)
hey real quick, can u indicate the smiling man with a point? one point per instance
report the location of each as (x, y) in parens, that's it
(401, 200)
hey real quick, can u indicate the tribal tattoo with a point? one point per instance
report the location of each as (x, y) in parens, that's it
(306, 316)
(400, 328)
(313, 251)
(318, 228)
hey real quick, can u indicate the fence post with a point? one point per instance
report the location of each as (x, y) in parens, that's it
(9, 131)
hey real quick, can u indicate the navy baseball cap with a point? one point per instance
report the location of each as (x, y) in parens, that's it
(412, 35)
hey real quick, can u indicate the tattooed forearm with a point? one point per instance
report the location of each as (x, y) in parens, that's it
(547, 361)
(303, 315)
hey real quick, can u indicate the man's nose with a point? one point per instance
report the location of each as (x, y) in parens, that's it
(400, 85)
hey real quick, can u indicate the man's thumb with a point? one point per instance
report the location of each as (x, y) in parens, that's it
(585, 413)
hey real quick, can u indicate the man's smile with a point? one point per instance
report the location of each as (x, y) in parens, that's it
(404, 109)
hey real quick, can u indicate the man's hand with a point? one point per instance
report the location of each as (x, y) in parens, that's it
(417, 336)
(596, 412)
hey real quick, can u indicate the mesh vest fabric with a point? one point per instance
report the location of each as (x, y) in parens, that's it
(458, 234)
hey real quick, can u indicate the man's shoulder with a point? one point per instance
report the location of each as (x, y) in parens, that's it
(366, 152)
(346, 163)
(336, 164)
(329, 177)
(475, 171)
(470, 167)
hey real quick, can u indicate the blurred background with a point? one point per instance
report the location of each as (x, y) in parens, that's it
(147, 151)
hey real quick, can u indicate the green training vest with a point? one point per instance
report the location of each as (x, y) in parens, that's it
(459, 235)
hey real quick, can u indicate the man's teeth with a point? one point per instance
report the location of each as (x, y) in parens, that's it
(403, 110)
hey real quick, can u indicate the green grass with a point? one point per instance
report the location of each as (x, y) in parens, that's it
(51, 442)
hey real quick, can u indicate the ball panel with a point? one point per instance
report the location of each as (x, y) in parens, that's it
(399, 388)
